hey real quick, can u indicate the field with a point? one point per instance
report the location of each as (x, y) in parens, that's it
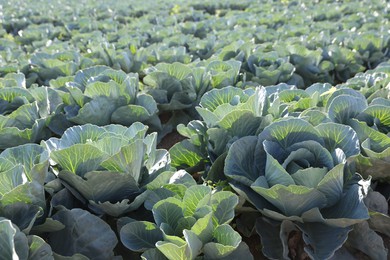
(194, 129)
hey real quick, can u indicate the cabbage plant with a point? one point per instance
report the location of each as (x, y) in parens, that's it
(369, 46)
(372, 125)
(24, 112)
(286, 100)
(163, 53)
(342, 62)
(177, 89)
(100, 95)
(50, 66)
(13, 80)
(108, 55)
(296, 176)
(23, 172)
(227, 114)
(366, 109)
(270, 69)
(107, 167)
(190, 222)
(372, 83)
(223, 73)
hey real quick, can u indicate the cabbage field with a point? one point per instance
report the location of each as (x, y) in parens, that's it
(195, 129)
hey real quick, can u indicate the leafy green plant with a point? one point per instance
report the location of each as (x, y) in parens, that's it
(61, 67)
(191, 221)
(23, 172)
(371, 123)
(24, 112)
(177, 89)
(343, 63)
(223, 73)
(51, 66)
(228, 114)
(270, 69)
(176, 86)
(100, 95)
(295, 175)
(162, 53)
(106, 54)
(370, 47)
(107, 167)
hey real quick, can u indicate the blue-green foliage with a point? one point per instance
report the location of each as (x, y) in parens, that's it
(189, 221)
(100, 95)
(107, 167)
(296, 172)
(286, 101)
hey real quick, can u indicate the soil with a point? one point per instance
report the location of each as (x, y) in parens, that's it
(296, 246)
(169, 140)
(255, 247)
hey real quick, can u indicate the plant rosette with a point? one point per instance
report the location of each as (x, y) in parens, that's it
(106, 167)
(191, 222)
(296, 175)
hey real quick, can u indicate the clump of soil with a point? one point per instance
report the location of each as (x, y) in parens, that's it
(296, 246)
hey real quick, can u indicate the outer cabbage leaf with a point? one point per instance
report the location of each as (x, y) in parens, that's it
(140, 235)
(13, 80)
(84, 234)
